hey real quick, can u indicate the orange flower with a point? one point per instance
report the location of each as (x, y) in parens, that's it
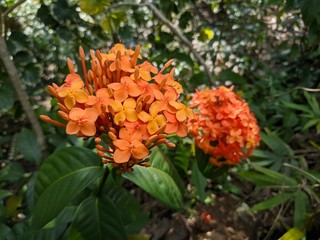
(134, 104)
(72, 91)
(124, 112)
(127, 87)
(224, 126)
(102, 98)
(128, 145)
(82, 121)
(154, 120)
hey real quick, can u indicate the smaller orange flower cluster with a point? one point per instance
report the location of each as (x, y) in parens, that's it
(134, 105)
(224, 126)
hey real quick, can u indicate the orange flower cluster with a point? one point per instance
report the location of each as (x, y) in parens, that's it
(134, 105)
(224, 126)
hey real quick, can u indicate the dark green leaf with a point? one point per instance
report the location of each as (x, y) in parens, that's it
(235, 78)
(98, 218)
(276, 176)
(12, 172)
(28, 146)
(62, 177)
(301, 205)
(7, 95)
(272, 202)
(199, 181)
(275, 143)
(128, 208)
(158, 184)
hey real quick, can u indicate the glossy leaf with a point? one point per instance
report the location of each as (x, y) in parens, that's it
(97, 218)
(158, 184)
(160, 161)
(62, 177)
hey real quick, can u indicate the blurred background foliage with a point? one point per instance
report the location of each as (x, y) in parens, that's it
(268, 49)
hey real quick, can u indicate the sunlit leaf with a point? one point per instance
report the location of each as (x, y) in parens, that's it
(158, 184)
(159, 160)
(292, 234)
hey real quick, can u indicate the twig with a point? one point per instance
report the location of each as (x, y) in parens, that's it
(10, 9)
(174, 30)
(21, 93)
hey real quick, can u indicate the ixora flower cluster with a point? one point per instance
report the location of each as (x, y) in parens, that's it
(134, 105)
(224, 127)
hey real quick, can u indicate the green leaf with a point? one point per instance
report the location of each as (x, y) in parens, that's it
(160, 161)
(131, 214)
(310, 123)
(301, 205)
(62, 177)
(12, 172)
(65, 216)
(158, 184)
(7, 95)
(98, 218)
(276, 176)
(278, 146)
(232, 76)
(272, 202)
(299, 107)
(93, 6)
(258, 178)
(4, 193)
(199, 181)
(28, 146)
(4, 231)
(31, 74)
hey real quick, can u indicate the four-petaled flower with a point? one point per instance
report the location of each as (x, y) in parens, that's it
(82, 121)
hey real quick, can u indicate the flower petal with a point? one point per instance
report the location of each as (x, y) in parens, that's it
(121, 156)
(131, 115)
(72, 127)
(119, 117)
(75, 114)
(88, 129)
(121, 144)
(121, 94)
(181, 115)
(90, 114)
(77, 84)
(144, 117)
(116, 105)
(152, 127)
(129, 103)
(81, 96)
